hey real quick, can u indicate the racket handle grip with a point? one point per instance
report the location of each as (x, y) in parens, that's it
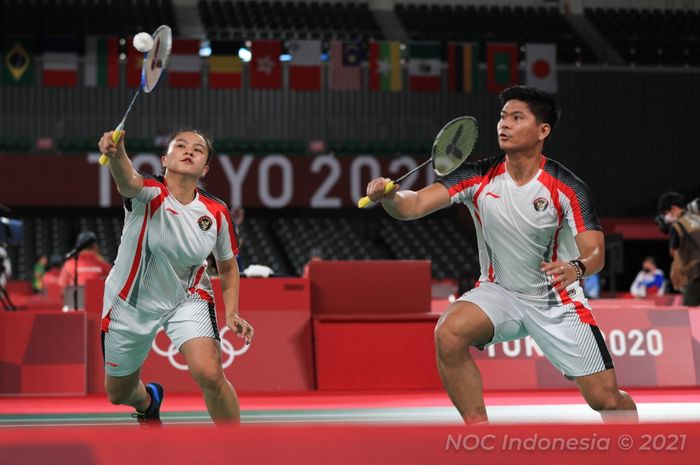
(364, 201)
(116, 134)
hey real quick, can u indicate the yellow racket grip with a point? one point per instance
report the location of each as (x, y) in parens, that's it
(364, 201)
(104, 159)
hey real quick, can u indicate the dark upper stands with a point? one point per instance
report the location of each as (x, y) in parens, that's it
(84, 17)
(651, 37)
(283, 243)
(495, 24)
(285, 20)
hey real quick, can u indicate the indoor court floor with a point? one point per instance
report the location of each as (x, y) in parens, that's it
(654, 405)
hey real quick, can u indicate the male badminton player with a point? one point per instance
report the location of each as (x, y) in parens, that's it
(159, 278)
(538, 235)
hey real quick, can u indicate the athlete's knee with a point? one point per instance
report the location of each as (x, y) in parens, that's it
(209, 378)
(606, 400)
(450, 342)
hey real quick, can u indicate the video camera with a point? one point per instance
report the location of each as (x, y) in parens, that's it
(692, 207)
(11, 231)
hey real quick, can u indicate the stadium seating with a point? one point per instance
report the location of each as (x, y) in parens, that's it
(284, 243)
(286, 20)
(82, 17)
(494, 24)
(651, 37)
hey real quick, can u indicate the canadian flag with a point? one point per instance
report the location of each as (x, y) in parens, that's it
(541, 66)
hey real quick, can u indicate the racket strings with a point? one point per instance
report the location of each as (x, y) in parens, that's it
(454, 144)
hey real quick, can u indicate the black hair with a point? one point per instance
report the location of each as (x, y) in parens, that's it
(669, 199)
(650, 259)
(208, 140)
(541, 103)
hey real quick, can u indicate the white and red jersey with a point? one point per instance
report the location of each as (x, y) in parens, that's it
(518, 227)
(164, 247)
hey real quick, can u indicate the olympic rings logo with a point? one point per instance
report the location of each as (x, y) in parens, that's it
(227, 349)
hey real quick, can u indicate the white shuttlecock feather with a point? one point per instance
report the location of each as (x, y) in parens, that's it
(143, 42)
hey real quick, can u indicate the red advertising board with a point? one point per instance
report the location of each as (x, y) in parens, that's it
(272, 181)
(650, 347)
(42, 352)
(279, 359)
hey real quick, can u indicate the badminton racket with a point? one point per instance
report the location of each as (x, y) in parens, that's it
(154, 63)
(452, 146)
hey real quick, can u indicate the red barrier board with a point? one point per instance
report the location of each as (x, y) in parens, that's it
(375, 354)
(279, 359)
(42, 352)
(650, 346)
(638, 444)
(370, 286)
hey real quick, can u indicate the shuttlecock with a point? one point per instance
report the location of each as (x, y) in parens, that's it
(143, 42)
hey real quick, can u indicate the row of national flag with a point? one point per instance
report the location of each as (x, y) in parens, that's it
(424, 64)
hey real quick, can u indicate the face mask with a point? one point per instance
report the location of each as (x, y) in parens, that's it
(669, 218)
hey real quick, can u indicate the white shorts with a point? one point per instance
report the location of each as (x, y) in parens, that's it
(128, 332)
(572, 346)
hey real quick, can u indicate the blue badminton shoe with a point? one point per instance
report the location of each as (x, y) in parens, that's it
(151, 417)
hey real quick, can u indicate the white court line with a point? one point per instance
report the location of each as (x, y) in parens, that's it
(501, 414)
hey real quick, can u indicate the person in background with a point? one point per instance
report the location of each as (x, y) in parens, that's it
(684, 245)
(91, 264)
(39, 272)
(649, 281)
(5, 266)
(591, 286)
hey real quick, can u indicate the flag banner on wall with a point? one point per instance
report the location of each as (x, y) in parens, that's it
(345, 69)
(385, 66)
(101, 62)
(462, 67)
(501, 66)
(305, 66)
(424, 73)
(225, 66)
(185, 65)
(60, 62)
(18, 61)
(265, 65)
(541, 66)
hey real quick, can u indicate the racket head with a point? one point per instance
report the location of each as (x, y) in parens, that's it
(156, 59)
(453, 144)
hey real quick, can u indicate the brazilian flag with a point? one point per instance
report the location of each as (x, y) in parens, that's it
(18, 66)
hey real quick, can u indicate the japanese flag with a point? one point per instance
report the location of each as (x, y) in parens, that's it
(541, 66)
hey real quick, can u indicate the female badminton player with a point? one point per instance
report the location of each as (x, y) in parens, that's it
(159, 278)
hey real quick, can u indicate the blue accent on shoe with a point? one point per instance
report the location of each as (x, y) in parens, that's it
(151, 417)
(156, 399)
